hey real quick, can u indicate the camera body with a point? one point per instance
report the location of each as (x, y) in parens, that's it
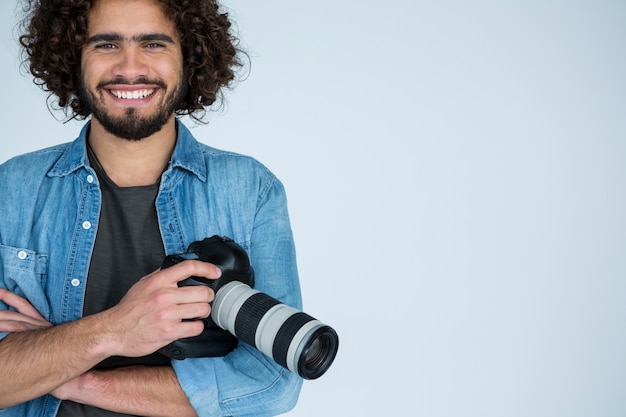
(233, 261)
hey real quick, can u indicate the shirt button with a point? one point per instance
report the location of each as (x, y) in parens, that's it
(22, 254)
(90, 179)
(75, 282)
(86, 225)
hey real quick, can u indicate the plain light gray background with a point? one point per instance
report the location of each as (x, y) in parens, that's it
(456, 177)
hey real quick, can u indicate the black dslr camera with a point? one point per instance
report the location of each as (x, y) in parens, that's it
(292, 338)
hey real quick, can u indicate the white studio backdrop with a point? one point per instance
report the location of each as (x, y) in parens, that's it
(456, 179)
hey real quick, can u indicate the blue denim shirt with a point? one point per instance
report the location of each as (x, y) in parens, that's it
(49, 207)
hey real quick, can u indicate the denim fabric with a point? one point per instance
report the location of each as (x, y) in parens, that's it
(50, 204)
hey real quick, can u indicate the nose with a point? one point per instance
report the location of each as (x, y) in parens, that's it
(131, 65)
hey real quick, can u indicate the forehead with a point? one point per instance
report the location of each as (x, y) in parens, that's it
(129, 17)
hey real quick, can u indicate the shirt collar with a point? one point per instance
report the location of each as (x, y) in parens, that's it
(187, 154)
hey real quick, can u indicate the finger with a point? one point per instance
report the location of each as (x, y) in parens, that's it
(11, 321)
(19, 303)
(193, 311)
(172, 298)
(184, 303)
(16, 326)
(190, 268)
(15, 316)
(189, 329)
(194, 294)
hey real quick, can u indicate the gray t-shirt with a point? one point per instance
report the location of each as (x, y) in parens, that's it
(128, 246)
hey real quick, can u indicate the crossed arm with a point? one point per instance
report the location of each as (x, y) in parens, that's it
(39, 358)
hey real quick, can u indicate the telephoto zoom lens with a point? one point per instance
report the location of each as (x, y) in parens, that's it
(292, 338)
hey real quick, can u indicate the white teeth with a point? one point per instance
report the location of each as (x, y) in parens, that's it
(132, 95)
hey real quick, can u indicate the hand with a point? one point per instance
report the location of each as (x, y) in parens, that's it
(152, 313)
(25, 318)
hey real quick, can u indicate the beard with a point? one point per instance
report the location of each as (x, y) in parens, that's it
(132, 126)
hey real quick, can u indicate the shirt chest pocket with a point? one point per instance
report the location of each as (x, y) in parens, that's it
(24, 272)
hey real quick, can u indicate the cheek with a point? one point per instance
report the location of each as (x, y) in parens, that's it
(86, 74)
(92, 70)
(170, 68)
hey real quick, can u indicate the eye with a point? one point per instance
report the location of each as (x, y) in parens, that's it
(154, 45)
(105, 46)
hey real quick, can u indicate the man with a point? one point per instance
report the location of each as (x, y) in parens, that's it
(84, 307)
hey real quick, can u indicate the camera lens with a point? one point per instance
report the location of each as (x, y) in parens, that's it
(319, 353)
(313, 354)
(292, 338)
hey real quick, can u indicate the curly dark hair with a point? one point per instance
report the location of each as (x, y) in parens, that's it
(54, 32)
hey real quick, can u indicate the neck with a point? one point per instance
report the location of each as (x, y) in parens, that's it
(132, 163)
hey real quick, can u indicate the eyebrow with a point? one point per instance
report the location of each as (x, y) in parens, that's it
(143, 37)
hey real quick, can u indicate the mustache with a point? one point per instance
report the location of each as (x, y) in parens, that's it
(125, 81)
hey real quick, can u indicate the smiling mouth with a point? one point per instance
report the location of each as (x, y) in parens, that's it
(133, 95)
